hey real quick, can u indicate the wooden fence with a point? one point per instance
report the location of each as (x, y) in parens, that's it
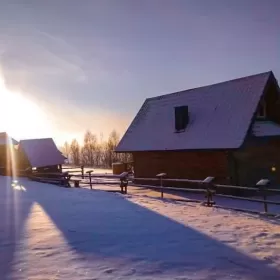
(206, 186)
(210, 189)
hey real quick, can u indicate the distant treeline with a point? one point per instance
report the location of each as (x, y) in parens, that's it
(94, 151)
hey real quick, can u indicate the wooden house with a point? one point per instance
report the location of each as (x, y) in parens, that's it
(229, 130)
(39, 154)
(7, 152)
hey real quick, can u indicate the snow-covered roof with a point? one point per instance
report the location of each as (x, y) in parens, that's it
(5, 139)
(220, 116)
(265, 128)
(41, 152)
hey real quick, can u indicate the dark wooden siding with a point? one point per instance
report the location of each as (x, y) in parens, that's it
(5, 160)
(182, 164)
(256, 159)
(22, 160)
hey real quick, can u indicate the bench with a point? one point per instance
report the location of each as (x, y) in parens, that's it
(76, 182)
(61, 179)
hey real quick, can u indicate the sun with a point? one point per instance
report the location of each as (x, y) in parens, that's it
(20, 117)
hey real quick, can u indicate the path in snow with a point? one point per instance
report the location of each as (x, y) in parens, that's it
(47, 232)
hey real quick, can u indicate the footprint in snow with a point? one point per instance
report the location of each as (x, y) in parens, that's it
(109, 270)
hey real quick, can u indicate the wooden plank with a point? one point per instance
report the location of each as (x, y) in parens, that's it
(99, 176)
(273, 190)
(236, 187)
(105, 183)
(168, 180)
(249, 199)
(168, 188)
(146, 179)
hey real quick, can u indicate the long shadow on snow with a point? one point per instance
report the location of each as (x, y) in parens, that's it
(98, 224)
(14, 209)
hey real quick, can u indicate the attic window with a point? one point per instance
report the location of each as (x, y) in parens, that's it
(262, 110)
(181, 118)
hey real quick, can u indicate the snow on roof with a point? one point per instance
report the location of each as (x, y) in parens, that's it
(41, 152)
(5, 139)
(220, 116)
(265, 128)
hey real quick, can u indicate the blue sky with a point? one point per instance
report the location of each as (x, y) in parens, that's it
(90, 64)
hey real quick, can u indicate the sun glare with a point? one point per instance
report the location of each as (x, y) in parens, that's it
(21, 118)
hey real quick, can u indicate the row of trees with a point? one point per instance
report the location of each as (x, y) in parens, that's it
(94, 151)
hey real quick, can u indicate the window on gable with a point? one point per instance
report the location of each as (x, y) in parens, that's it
(262, 110)
(181, 118)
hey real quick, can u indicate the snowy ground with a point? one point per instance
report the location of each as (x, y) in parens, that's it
(47, 232)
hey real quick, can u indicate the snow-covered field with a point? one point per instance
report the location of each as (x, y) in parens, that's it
(48, 232)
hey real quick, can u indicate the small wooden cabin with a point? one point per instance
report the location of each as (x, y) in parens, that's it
(229, 130)
(40, 154)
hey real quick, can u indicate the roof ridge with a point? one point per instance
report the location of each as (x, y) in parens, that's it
(206, 86)
(36, 139)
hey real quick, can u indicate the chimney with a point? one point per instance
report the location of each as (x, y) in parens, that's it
(181, 118)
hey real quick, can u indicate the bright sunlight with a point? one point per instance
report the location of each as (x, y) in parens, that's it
(21, 118)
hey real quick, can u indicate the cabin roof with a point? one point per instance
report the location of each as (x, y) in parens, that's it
(5, 139)
(41, 152)
(220, 115)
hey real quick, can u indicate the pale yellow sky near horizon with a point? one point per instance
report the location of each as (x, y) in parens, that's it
(23, 118)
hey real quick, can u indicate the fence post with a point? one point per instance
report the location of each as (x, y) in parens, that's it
(262, 184)
(160, 176)
(89, 175)
(124, 182)
(28, 172)
(209, 190)
(82, 168)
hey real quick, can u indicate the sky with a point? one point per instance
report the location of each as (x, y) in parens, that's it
(90, 64)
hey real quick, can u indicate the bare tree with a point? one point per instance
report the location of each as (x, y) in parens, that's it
(75, 152)
(99, 155)
(111, 144)
(96, 152)
(65, 149)
(102, 148)
(89, 149)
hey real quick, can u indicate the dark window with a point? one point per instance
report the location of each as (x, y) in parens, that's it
(262, 110)
(181, 118)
